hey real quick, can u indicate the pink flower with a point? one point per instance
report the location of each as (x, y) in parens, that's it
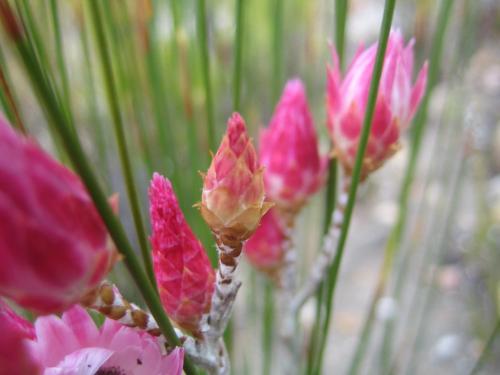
(289, 150)
(74, 345)
(233, 189)
(15, 354)
(53, 245)
(183, 272)
(265, 248)
(396, 104)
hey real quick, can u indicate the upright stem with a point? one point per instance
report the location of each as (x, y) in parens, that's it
(356, 175)
(277, 48)
(238, 53)
(201, 26)
(340, 23)
(120, 138)
(10, 102)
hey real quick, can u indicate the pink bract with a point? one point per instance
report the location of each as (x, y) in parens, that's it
(183, 272)
(265, 248)
(289, 150)
(74, 345)
(397, 102)
(54, 246)
(15, 353)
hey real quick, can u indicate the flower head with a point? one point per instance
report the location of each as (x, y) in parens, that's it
(15, 354)
(233, 189)
(265, 248)
(53, 244)
(74, 345)
(183, 272)
(396, 104)
(289, 150)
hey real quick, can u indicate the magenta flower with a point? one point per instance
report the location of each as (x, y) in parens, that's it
(15, 353)
(53, 245)
(396, 105)
(74, 345)
(233, 189)
(289, 151)
(265, 248)
(183, 272)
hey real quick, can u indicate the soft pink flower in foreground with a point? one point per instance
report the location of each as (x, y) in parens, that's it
(396, 105)
(74, 345)
(183, 272)
(15, 354)
(233, 189)
(289, 150)
(265, 248)
(54, 247)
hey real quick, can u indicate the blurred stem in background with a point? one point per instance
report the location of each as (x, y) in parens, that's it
(123, 152)
(238, 53)
(385, 28)
(487, 349)
(201, 26)
(276, 22)
(7, 97)
(57, 119)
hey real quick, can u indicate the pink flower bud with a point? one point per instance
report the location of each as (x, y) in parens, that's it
(396, 105)
(289, 151)
(54, 246)
(265, 248)
(183, 272)
(233, 189)
(16, 357)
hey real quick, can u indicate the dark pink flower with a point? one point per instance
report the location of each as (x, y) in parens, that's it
(289, 150)
(183, 272)
(233, 189)
(265, 248)
(397, 102)
(54, 246)
(16, 357)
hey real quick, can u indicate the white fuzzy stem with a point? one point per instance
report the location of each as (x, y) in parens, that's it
(326, 255)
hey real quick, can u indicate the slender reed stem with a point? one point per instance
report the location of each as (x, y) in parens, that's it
(74, 150)
(276, 18)
(340, 26)
(238, 54)
(487, 349)
(120, 138)
(267, 326)
(356, 175)
(201, 26)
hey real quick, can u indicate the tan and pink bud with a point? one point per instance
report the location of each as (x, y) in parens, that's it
(233, 201)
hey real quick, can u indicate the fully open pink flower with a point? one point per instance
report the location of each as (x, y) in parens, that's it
(396, 105)
(15, 354)
(54, 247)
(265, 248)
(232, 201)
(74, 345)
(289, 150)
(183, 272)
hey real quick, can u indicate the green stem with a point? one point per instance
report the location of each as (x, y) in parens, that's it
(487, 349)
(205, 64)
(58, 120)
(267, 326)
(340, 25)
(356, 175)
(120, 138)
(238, 53)
(277, 46)
(8, 99)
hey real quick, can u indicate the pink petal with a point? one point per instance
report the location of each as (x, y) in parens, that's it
(81, 362)
(82, 325)
(418, 89)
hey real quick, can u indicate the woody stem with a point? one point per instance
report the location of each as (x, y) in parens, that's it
(325, 257)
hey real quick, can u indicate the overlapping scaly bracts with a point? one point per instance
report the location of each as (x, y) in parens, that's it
(183, 272)
(54, 246)
(232, 201)
(396, 103)
(288, 150)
